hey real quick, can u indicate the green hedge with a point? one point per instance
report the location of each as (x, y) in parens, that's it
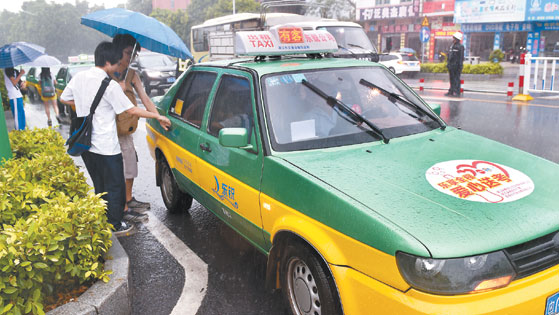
(482, 68)
(54, 230)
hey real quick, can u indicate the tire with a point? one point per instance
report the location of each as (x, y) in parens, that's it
(33, 96)
(307, 286)
(175, 200)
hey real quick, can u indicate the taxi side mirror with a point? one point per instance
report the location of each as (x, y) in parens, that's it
(234, 138)
(436, 107)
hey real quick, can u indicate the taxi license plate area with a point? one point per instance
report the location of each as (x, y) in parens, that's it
(170, 80)
(552, 305)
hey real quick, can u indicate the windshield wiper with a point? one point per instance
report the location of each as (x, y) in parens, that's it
(332, 101)
(355, 45)
(393, 96)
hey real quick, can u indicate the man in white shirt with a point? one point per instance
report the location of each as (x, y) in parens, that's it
(11, 81)
(104, 160)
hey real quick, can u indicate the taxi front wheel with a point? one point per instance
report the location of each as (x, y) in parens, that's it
(307, 286)
(175, 200)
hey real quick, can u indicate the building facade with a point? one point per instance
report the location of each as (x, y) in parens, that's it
(513, 26)
(172, 5)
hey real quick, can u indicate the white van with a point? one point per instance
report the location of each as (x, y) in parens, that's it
(351, 38)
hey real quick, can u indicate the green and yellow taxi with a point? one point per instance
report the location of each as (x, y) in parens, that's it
(363, 200)
(33, 78)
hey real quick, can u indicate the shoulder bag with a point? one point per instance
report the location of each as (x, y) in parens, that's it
(126, 123)
(80, 140)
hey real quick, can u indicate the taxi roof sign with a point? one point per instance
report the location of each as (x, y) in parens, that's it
(284, 40)
(83, 58)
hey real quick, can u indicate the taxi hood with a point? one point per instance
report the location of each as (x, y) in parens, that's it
(457, 193)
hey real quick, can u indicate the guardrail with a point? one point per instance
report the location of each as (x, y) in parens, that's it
(547, 81)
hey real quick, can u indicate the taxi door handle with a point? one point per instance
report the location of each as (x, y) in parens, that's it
(205, 147)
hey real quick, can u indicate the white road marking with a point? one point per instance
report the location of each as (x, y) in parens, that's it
(195, 269)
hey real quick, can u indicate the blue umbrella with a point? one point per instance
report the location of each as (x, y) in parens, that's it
(19, 53)
(149, 32)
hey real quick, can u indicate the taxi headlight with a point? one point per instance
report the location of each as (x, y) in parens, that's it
(456, 275)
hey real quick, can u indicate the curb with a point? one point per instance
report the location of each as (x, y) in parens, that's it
(469, 76)
(110, 298)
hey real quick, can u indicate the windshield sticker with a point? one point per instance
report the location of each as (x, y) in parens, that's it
(273, 81)
(480, 181)
(298, 77)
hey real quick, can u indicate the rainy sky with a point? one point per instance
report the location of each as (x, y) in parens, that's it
(15, 5)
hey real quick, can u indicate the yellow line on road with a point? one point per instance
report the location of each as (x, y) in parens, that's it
(489, 101)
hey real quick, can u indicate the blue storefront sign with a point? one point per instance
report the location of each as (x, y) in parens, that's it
(497, 27)
(542, 10)
(546, 26)
(533, 43)
(483, 11)
(497, 41)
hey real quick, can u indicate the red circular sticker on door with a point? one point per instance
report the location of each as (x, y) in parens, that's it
(480, 181)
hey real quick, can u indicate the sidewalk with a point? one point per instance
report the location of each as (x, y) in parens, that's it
(472, 82)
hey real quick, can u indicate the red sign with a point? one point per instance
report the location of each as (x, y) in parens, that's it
(290, 35)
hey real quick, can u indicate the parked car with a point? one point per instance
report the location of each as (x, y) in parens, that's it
(157, 71)
(358, 193)
(33, 76)
(399, 63)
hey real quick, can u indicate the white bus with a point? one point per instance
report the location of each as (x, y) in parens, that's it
(351, 37)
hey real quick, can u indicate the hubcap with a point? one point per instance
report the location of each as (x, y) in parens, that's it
(167, 184)
(302, 289)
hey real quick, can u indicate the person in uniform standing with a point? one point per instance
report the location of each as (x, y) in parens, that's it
(454, 64)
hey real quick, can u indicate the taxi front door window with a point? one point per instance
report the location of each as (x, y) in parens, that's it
(232, 107)
(192, 97)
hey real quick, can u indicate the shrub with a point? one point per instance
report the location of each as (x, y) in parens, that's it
(54, 228)
(496, 54)
(482, 68)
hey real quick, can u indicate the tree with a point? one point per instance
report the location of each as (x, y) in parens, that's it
(196, 12)
(54, 26)
(143, 6)
(225, 7)
(334, 9)
(176, 20)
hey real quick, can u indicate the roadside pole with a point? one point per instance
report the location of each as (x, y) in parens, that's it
(523, 79)
(5, 149)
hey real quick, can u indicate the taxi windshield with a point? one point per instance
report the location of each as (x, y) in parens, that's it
(300, 119)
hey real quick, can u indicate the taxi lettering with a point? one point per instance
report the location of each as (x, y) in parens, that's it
(225, 192)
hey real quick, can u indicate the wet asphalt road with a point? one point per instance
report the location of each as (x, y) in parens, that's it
(235, 269)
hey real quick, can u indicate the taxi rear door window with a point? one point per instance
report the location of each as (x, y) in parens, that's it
(192, 97)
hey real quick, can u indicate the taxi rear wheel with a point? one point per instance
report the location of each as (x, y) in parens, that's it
(307, 286)
(175, 200)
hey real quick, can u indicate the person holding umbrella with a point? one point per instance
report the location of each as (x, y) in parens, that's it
(130, 82)
(12, 55)
(11, 81)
